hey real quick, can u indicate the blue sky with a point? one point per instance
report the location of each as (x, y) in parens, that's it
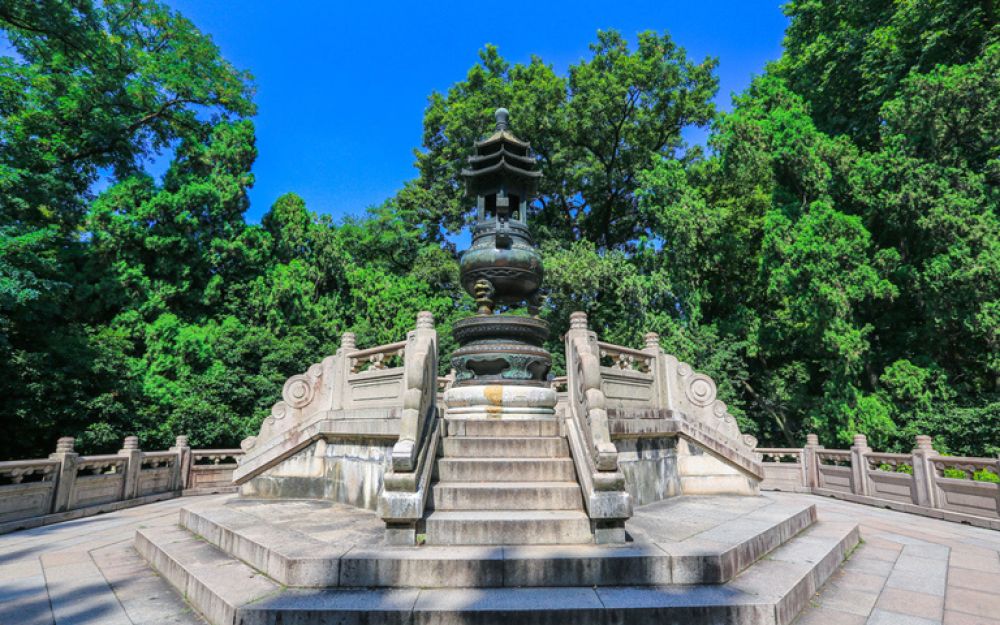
(341, 86)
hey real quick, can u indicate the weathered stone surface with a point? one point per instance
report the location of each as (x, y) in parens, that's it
(423, 567)
(523, 527)
(507, 447)
(581, 565)
(971, 554)
(345, 472)
(650, 468)
(506, 496)
(489, 401)
(216, 584)
(350, 607)
(288, 541)
(506, 470)
(502, 427)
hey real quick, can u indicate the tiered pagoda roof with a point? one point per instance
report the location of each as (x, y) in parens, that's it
(499, 159)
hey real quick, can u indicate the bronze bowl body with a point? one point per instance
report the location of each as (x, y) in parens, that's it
(501, 349)
(506, 258)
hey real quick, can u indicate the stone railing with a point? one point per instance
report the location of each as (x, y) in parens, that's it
(352, 395)
(68, 485)
(652, 419)
(784, 469)
(407, 482)
(921, 482)
(211, 471)
(595, 456)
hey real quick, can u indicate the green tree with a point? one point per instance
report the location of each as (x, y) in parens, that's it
(90, 90)
(848, 58)
(593, 131)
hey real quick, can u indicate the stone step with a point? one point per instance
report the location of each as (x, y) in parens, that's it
(506, 496)
(506, 470)
(506, 447)
(290, 557)
(772, 592)
(508, 527)
(294, 558)
(502, 427)
(215, 583)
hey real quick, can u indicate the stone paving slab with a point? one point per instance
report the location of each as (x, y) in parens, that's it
(970, 596)
(910, 570)
(295, 543)
(772, 593)
(86, 572)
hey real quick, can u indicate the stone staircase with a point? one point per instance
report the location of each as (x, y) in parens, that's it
(241, 562)
(503, 482)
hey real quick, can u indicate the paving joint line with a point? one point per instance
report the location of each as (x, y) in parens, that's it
(90, 554)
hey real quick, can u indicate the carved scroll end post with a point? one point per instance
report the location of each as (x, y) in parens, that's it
(405, 487)
(924, 487)
(420, 394)
(859, 465)
(66, 481)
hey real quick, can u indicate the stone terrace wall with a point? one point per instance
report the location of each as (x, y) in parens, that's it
(921, 482)
(67, 485)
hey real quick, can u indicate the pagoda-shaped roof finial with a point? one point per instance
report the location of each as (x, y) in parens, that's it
(502, 116)
(502, 161)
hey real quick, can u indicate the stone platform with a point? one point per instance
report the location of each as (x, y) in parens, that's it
(689, 559)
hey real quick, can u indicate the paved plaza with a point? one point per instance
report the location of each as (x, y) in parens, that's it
(910, 570)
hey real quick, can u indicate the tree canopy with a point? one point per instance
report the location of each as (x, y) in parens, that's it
(832, 258)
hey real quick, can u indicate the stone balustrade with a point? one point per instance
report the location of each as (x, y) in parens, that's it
(921, 482)
(67, 485)
(211, 470)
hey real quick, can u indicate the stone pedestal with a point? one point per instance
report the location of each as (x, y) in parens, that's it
(495, 401)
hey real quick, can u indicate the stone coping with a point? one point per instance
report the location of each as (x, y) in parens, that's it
(365, 424)
(771, 592)
(902, 506)
(78, 513)
(686, 540)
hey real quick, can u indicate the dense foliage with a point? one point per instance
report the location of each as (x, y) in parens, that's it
(833, 258)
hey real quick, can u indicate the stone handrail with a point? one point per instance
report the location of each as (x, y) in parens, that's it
(968, 466)
(775, 454)
(626, 358)
(375, 357)
(915, 482)
(108, 463)
(650, 382)
(420, 388)
(586, 419)
(336, 399)
(834, 455)
(67, 485)
(586, 398)
(407, 482)
(15, 471)
(215, 455)
(783, 468)
(158, 458)
(876, 460)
